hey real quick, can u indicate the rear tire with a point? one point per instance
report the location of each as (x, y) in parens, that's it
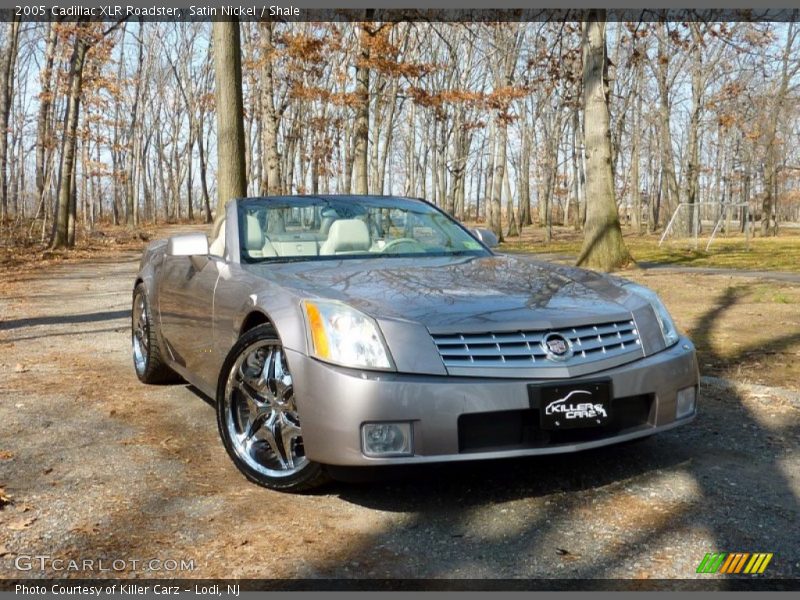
(148, 359)
(257, 416)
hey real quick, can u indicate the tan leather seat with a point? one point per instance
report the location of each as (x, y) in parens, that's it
(255, 243)
(346, 236)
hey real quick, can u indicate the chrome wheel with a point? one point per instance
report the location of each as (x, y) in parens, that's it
(140, 334)
(148, 363)
(260, 415)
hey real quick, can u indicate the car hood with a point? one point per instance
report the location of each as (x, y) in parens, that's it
(459, 293)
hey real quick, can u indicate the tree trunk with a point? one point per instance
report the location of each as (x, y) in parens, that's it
(270, 117)
(362, 116)
(130, 157)
(377, 126)
(576, 186)
(769, 226)
(387, 144)
(495, 220)
(513, 230)
(636, 195)
(603, 246)
(525, 178)
(692, 152)
(43, 142)
(635, 185)
(201, 151)
(667, 157)
(6, 92)
(231, 177)
(65, 207)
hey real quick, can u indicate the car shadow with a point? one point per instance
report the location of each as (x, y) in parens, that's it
(475, 483)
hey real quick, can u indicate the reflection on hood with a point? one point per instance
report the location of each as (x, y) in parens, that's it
(449, 291)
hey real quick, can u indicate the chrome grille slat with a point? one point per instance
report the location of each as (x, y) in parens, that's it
(599, 329)
(606, 341)
(485, 351)
(502, 338)
(522, 348)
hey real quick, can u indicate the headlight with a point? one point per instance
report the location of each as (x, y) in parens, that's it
(341, 334)
(668, 329)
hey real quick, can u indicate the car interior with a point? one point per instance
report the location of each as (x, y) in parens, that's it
(311, 231)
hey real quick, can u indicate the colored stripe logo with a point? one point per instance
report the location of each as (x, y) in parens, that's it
(734, 563)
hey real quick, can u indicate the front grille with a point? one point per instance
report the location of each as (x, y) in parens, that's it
(524, 348)
(519, 429)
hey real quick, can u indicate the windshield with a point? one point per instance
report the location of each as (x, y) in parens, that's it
(336, 227)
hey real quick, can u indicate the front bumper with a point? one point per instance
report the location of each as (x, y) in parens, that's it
(447, 412)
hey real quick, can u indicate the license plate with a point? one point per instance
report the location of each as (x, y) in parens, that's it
(572, 405)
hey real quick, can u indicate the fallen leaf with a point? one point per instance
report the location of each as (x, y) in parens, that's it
(22, 524)
(4, 498)
(20, 368)
(6, 455)
(85, 530)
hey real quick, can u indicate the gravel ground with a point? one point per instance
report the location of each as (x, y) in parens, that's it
(94, 465)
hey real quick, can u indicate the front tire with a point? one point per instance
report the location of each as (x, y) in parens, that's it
(257, 416)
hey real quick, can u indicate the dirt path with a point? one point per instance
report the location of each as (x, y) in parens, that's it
(100, 467)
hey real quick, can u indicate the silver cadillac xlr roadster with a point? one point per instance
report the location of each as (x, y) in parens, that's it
(366, 330)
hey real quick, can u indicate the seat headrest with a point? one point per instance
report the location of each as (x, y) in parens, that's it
(253, 234)
(325, 225)
(276, 223)
(347, 235)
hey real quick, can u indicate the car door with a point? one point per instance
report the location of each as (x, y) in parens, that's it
(186, 305)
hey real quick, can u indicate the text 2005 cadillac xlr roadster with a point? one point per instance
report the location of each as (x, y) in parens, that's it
(366, 330)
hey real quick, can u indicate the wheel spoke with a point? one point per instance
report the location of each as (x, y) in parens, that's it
(255, 405)
(144, 338)
(253, 426)
(264, 375)
(250, 371)
(268, 433)
(289, 433)
(276, 377)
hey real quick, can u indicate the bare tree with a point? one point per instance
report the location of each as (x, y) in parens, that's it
(65, 211)
(231, 178)
(603, 246)
(7, 60)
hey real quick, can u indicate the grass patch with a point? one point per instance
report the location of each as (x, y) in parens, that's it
(780, 253)
(744, 329)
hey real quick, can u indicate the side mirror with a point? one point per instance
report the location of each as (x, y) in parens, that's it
(193, 245)
(486, 236)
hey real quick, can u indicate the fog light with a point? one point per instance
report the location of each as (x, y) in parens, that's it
(686, 402)
(386, 439)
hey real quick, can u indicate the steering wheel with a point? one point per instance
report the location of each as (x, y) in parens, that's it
(392, 247)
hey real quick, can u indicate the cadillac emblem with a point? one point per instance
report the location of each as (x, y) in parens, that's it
(556, 347)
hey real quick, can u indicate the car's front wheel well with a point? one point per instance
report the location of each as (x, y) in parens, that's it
(254, 319)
